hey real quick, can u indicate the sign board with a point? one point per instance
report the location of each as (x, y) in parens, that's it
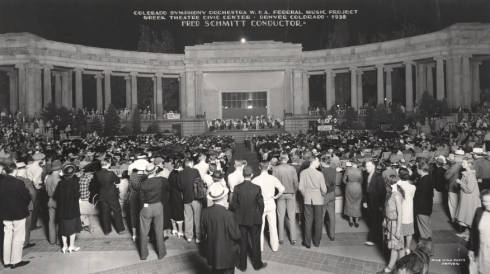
(325, 127)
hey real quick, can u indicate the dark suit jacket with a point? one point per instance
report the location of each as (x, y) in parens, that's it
(423, 198)
(14, 199)
(374, 191)
(474, 243)
(221, 234)
(106, 181)
(247, 203)
(187, 177)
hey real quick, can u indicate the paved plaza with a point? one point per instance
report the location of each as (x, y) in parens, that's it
(347, 254)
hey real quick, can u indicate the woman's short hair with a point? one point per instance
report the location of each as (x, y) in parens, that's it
(423, 165)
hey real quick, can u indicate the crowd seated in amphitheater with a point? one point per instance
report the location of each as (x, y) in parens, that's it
(116, 176)
(247, 123)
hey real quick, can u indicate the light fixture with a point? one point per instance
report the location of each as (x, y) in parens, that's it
(250, 107)
(243, 40)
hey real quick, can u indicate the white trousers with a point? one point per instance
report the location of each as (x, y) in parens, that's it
(453, 200)
(270, 213)
(13, 241)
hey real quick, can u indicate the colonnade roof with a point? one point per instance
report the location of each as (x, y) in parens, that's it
(459, 39)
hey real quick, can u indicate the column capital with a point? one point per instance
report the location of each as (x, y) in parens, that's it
(379, 66)
(20, 65)
(477, 63)
(78, 70)
(107, 72)
(47, 66)
(127, 77)
(159, 74)
(440, 58)
(360, 72)
(409, 62)
(388, 69)
(98, 76)
(353, 68)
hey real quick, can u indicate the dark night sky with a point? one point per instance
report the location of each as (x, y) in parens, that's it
(111, 23)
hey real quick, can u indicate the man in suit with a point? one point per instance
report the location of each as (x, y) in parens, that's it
(374, 200)
(152, 211)
(248, 205)
(192, 207)
(220, 232)
(108, 198)
(14, 202)
(312, 187)
(331, 175)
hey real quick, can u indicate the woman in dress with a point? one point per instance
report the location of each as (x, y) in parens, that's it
(353, 193)
(479, 245)
(66, 195)
(469, 197)
(407, 206)
(392, 223)
(176, 204)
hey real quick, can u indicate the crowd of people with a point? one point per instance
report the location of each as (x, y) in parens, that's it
(196, 189)
(247, 123)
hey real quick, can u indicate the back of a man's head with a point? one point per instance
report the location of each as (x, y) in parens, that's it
(247, 172)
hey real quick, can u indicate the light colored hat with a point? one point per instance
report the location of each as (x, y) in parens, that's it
(140, 165)
(315, 152)
(348, 163)
(217, 191)
(441, 159)
(459, 152)
(478, 151)
(38, 156)
(150, 167)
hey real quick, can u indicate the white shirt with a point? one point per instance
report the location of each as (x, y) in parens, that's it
(203, 168)
(407, 202)
(268, 185)
(235, 178)
(34, 173)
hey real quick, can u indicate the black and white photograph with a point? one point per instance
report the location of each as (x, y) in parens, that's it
(244, 136)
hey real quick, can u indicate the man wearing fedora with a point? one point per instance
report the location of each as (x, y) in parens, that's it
(248, 205)
(51, 182)
(220, 231)
(482, 168)
(106, 182)
(14, 202)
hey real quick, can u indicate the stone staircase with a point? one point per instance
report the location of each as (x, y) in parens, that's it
(240, 135)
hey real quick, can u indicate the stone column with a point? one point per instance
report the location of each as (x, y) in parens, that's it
(359, 90)
(408, 86)
(182, 96)
(306, 92)
(353, 87)
(475, 87)
(78, 88)
(420, 81)
(33, 96)
(380, 84)
(440, 77)
(466, 82)
(430, 79)
(190, 93)
(330, 88)
(450, 82)
(21, 69)
(159, 95)
(199, 80)
(457, 87)
(389, 90)
(128, 91)
(47, 85)
(107, 89)
(297, 92)
(288, 98)
(14, 95)
(134, 91)
(67, 89)
(100, 97)
(57, 89)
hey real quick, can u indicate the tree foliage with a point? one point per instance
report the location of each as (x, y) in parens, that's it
(112, 123)
(61, 117)
(153, 128)
(96, 125)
